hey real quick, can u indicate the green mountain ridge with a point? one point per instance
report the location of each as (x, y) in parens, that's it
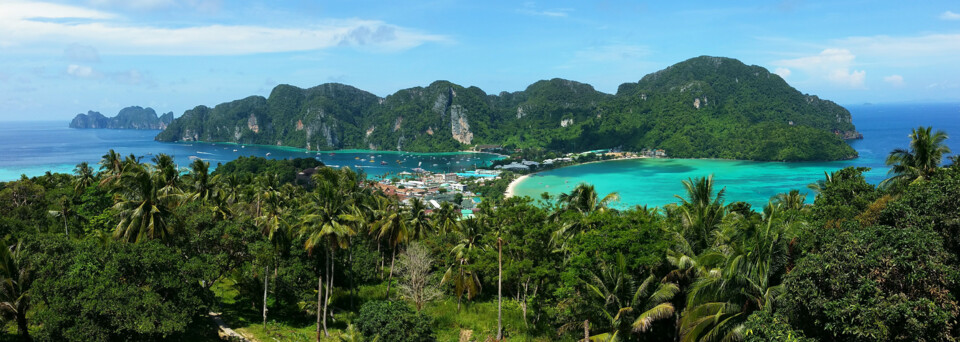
(705, 107)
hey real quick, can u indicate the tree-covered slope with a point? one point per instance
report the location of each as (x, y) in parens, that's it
(133, 117)
(705, 107)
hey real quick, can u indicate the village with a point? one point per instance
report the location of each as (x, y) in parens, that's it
(454, 187)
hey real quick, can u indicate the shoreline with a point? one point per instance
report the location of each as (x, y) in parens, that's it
(511, 188)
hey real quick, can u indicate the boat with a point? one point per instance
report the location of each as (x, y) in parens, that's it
(331, 154)
(383, 163)
(234, 150)
(268, 154)
(356, 158)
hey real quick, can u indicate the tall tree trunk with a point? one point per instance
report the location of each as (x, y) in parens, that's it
(319, 305)
(500, 289)
(22, 331)
(390, 281)
(326, 303)
(460, 295)
(65, 230)
(586, 330)
(266, 271)
(381, 259)
(326, 299)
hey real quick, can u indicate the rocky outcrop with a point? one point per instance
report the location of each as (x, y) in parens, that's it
(128, 118)
(459, 125)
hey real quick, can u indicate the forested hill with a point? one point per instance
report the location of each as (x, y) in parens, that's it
(705, 107)
(133, 117)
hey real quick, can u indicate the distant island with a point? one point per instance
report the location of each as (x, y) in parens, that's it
(133, 117)
(704, 107)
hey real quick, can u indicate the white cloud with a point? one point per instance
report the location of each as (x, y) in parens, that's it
(905, 50)
(895, 80)
(209, 6)
(21, 10)
(81, 71)
(27, 24)
(783, 72)
(949, 15)
(831, 64)
(530, 8)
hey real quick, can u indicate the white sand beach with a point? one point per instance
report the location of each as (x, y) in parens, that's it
(510, 189)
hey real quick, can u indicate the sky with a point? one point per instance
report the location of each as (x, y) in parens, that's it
(60, 58)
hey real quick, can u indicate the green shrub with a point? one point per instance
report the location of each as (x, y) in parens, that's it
(392, 321)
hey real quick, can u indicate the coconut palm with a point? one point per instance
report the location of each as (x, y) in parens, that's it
(464, 280)
(144, 211)
(332, 218)
(64, 212)
(793, 200)
(446, 218)
(167, 171)
(701, 211)
(615, 294)
(584, 199)
(725, 293)
(418, 221)
(15, 281)
(85, 177)
(920, 161)
(111, 166)
(394, 229)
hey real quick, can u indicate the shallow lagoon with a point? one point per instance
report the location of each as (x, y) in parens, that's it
(654, 182)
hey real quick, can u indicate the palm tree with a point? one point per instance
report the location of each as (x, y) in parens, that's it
(792, 200)
(15, 281)
(583, 199)
(331, 219)
(418, 222)
(701, 211)
(167, 170)
(920, 161)
(393, 227)
(144, 211)
(85, 176)
(63, 212)
(617, 297)
(746, 279)
(111, 166)
(446, 217)
(464, 280)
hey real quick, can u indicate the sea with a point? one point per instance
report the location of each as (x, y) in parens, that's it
(655, 182)
(33, 148)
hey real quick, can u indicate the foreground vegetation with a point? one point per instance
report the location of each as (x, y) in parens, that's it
(142, 251)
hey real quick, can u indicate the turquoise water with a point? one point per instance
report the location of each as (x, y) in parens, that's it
(32, 148)
(655, 181)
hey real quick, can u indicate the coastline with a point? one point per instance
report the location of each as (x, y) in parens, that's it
(511, 189)
(513, 184)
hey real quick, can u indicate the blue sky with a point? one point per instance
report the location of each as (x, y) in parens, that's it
(59, 58)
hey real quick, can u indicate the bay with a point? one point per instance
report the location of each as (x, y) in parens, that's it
(654, 182)
(33, 148)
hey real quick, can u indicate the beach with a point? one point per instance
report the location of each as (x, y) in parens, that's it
(511, 188)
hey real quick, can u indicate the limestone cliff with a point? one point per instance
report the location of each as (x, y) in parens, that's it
(133, 117)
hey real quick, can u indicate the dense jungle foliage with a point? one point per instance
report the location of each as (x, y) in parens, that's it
(140, 251)
(705, 107)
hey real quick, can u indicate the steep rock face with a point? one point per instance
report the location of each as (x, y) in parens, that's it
(90, 120)
(128, 118)
(702, 107)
